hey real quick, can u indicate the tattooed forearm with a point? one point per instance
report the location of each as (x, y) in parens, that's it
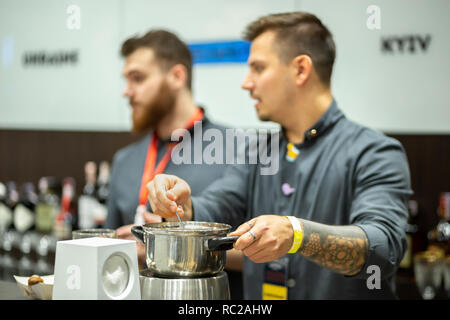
(342, 249)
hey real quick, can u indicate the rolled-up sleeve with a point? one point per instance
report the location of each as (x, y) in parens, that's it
(380, 203)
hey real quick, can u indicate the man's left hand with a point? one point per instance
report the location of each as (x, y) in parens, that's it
(265, 238)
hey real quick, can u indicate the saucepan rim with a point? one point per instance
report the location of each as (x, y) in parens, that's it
(190, 227)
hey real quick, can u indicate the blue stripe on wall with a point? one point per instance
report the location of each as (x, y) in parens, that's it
(220, 52)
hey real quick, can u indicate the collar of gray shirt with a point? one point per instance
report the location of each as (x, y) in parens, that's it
(326, 121)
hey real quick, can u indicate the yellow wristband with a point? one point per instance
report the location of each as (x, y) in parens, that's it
(298, 234)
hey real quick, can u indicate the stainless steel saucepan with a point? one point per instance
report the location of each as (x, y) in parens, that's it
(195, 249)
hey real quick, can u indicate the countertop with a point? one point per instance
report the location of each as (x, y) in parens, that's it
(10, 291)
(406, 289)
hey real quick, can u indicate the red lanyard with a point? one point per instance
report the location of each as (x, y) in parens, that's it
(150, 161)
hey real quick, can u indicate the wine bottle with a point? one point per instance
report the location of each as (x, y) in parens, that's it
(102, 194)
(6, 214)
(24, 214)
(87, 202)
(64, 220)
(9, 240)
(48, 205)
(439, 237)
(411, 230)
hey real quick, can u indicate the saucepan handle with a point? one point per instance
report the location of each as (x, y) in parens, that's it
(138, 232)
(221, 243)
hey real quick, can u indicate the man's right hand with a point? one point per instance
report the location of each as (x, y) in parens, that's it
(167, 194)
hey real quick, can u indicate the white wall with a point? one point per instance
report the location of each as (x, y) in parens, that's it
(400, 92)
(391, 92)
(61, 97)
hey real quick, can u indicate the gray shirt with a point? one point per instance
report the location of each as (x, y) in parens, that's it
(128, 167)
(345, 174)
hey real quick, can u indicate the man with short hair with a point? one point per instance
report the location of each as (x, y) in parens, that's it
(337, 205)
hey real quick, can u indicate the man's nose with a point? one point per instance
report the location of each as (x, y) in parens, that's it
(247, 84)
(127, 92)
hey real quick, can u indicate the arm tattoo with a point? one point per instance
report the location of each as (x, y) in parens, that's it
(342, 249)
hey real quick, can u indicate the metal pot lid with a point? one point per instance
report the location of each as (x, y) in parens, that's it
(189, 227)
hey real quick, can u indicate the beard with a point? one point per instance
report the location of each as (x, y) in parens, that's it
(154, 111)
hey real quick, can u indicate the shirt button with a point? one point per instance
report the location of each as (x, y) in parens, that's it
(290, 283)
(313, 133)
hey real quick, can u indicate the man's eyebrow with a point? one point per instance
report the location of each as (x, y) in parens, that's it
(256, 64)
(256, 61)
(131, 72)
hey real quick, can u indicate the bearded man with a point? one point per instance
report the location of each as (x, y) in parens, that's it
(158, 73)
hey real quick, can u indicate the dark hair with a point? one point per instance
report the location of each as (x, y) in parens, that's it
(298, 33)
(168, 48)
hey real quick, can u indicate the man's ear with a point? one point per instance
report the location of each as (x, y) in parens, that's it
(302, 67)
(177, 76)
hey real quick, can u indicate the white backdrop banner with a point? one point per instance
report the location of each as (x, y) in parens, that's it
(60, 67)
